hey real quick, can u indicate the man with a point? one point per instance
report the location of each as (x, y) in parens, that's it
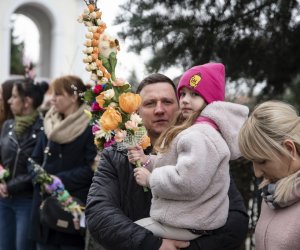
(115, 200)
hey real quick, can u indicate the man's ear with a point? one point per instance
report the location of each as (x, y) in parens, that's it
(290, 146)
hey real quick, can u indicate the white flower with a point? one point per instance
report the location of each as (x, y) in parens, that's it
(119, 82)
(113, 104)
(86, 11)
(99, 22)
(94, 77)
(88, 68)
(108, 94)
(131, 125)
(80, 19)
(104, 80)
(92, 29)
(88, 24)
(85, 60)
(88, 42)
(89, 50)
(105, 45)
(93, 66)
(136, 118)
(120, 135)
(89, 58)
(91, 83)
(101, 133)
(99, 73)
(93, 15)
(89, 35)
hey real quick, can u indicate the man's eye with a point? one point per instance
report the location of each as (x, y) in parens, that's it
(149, 104)
(168, 102)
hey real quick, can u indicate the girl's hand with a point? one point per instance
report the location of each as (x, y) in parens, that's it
(173, 244)
(3, 190)
(135, 154)
(142, 176)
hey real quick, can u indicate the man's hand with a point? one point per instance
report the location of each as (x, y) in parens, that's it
(173, 244)
(3, 190)
(142, 176)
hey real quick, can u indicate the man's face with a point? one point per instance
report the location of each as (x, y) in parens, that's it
(159, 106)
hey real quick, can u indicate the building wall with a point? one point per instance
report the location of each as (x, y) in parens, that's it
(61, 36)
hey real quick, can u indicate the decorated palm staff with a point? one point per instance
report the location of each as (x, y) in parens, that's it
(112, 104)
(54, 186)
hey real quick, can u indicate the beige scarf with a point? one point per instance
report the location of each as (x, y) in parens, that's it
(66, 130)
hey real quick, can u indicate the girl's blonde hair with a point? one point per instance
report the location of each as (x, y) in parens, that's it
(178, 124)
(262, 135)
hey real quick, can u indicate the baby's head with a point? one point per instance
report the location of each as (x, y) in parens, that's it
(208, 80)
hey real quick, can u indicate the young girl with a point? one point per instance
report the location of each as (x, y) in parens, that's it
(189, 177)
(270, 138)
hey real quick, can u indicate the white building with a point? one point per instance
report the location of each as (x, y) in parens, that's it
(61, 36)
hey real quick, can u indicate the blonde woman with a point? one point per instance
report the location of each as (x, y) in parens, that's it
(270, 138)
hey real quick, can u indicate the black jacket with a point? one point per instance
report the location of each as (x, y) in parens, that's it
(72, 163)
(14, 156)
(115, 200)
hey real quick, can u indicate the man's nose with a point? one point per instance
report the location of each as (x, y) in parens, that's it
(159, 108)
(257, 172)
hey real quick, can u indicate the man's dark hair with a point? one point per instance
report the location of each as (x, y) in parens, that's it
(155, 78)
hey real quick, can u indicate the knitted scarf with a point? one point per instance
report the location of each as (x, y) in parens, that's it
(66, 130)
(24, 122)
(269, 193)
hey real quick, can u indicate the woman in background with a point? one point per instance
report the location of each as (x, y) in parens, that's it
(270, 138)
(18, 138)
(5, 94)
(69, 156)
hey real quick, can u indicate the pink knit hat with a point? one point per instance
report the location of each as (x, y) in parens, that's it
(208, 80)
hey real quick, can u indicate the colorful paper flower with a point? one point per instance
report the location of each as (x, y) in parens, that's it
(129, 102)
(112, 103)
(110, 119)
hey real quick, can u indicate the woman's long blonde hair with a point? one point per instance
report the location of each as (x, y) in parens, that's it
(262, 135)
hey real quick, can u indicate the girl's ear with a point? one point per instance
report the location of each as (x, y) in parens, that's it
(290, 146)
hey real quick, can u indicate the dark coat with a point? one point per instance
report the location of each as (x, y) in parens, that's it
(72, 163)
(115, 200)
(14, 156)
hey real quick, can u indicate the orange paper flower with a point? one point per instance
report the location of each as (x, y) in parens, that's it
(110, 119)
(145, 142)
(100, 100)
(129, 102)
